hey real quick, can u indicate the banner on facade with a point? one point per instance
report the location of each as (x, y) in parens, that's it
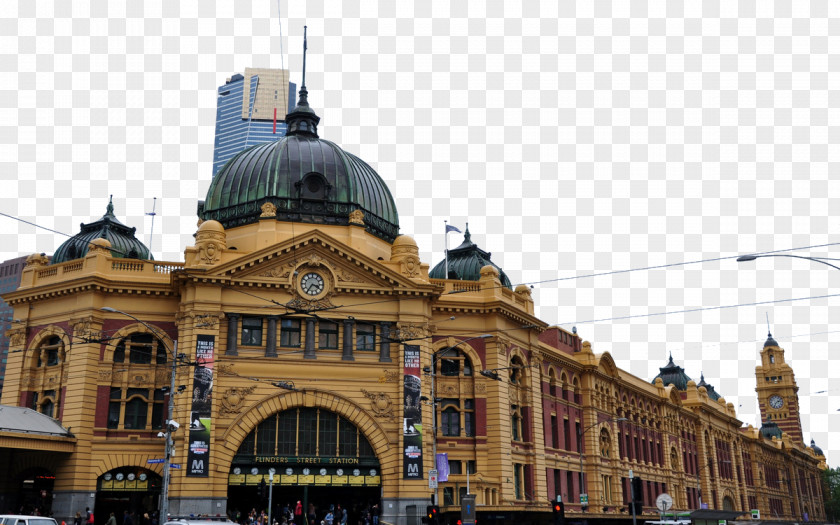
(198, 457)
(412, 416)
(443, 466)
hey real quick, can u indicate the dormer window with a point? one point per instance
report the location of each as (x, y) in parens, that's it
(314, 186)
(772, 358)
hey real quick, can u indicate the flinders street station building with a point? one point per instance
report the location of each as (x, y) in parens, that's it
(306, 350)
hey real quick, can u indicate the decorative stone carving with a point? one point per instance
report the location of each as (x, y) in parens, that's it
(268, 210)
(104, 375)
(411, 266)
(139, 379)
(409, 331)
(404, 250)
(481, 388)
(210, 240)
(279, 271)
(162, 375)
(37, 259)
(100, 246)
(304, 305)
(234, 398)
(210, 320)
(357, 217)
(380, 404)
(82, 329)
(391, 376)
(17, 337)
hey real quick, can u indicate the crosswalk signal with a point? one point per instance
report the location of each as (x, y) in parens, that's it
(559, 511)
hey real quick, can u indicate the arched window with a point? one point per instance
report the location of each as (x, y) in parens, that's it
(517, 371)
(552, 382)
(51, 351)
(452, 361)
(516, 423)
(141, 348)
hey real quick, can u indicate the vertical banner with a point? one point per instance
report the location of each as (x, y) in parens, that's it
(198, 458)
(443, 466)
(412, 416)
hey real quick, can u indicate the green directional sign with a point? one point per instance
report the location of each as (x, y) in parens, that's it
(584, 499)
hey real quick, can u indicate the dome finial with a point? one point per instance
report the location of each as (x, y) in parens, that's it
(467, 233)
(109, 210)
(303, 120)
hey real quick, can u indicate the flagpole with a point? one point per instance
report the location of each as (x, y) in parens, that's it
(446, 250)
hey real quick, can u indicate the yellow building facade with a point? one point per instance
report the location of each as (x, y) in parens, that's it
(306, 335)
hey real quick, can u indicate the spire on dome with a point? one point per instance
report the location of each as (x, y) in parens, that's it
(303, 120)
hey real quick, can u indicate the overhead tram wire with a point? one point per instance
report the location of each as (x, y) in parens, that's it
(671, 265)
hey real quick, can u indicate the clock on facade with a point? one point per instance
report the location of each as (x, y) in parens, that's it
(255, 471)
(776, 401)
(312, 284)
(340, 472)
(306, 472)
(142, 477)
(289, 471)
(120, 476)
(323, 472)
(131, 476)
(237, 471)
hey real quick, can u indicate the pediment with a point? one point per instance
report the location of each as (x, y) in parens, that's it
(347, 268)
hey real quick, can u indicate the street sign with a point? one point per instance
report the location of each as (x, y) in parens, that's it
(584, 499)
(755, 514)
(174, 465)
(433, 478)
(468, 509)
(156, 461)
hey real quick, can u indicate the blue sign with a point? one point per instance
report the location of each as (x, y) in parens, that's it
(174, 465)
(155, 461)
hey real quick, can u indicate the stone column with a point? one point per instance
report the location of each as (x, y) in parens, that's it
(384, 342)
(233, 331)
(347, 347)
(309, 344)
(271, 337)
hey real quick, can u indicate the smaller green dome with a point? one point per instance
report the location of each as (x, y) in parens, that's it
(770, 429)
(714, 396)
(672, 374)
(466, 262)
(817, 450)
(123, 242)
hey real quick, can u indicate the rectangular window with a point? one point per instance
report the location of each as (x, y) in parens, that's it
(290, 333)
(567, 438)
(267, 436)
(307, 433)
(577, 433)
(136, 410)
(517, 481)
(114, 408)
(449, 495)
(450, 418)
(346, 438)
(287, 430)
(455, 467)
(471, 467)
(365, 337)
(328, 335)
(469, 417)
(555, 438)
(251, 331)
(327, 434)
(157, 410)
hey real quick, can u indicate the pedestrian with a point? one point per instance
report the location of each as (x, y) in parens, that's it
(328, 519)
(112, 520)
(310, 515)
(127, 519)
(299, 513)
(77, 520)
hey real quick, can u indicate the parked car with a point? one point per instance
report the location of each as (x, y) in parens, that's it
(15, 519)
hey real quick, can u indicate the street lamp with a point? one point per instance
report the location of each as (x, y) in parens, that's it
(580, 444)
(164, 500)
(821, 260)
(434, 397)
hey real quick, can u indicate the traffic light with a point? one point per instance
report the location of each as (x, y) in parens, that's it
(637, 489)
(559, 511)
(432, 512)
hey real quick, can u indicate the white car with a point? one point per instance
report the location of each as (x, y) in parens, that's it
(15, 519)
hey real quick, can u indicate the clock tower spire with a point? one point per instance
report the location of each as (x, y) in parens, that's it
(777, 390)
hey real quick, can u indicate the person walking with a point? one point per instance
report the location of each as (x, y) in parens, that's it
(299, 514)
(77, 520)
(112, 520)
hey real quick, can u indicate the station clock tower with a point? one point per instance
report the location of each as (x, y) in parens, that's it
(777, 391)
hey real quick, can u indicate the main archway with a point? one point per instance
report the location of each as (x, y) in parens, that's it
(316, 457)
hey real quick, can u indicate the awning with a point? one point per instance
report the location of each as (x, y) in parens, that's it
(714, 514)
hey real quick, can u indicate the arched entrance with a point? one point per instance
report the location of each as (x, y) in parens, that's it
(35, 493)
(728, 504)
(133, 489)
(318, 457)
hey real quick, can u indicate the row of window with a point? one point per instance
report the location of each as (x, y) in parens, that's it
(135, 408)
(454, 418)
(253, 332)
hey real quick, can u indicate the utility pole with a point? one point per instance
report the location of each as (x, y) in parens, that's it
(164, 504)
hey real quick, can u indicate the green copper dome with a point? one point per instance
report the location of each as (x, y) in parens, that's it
(672, 374)
(770, 429)
(308, 179)
(466, 262)
(710, 390)
(123, 242)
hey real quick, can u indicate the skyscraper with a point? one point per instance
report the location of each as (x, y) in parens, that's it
(9, 280)
(251, 109)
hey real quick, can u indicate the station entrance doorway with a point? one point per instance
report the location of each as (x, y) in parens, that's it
(307, 455)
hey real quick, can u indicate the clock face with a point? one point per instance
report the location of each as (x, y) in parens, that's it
(237, 471)
(255, 471)
(312, 284)
(131, 477)
(142, 477)
(323, 472)
(340, 472)
(372, 472)
(776, 401)
(107, 476)
(356, 472)
(289, 471)
(306, 472)
(120, 476)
